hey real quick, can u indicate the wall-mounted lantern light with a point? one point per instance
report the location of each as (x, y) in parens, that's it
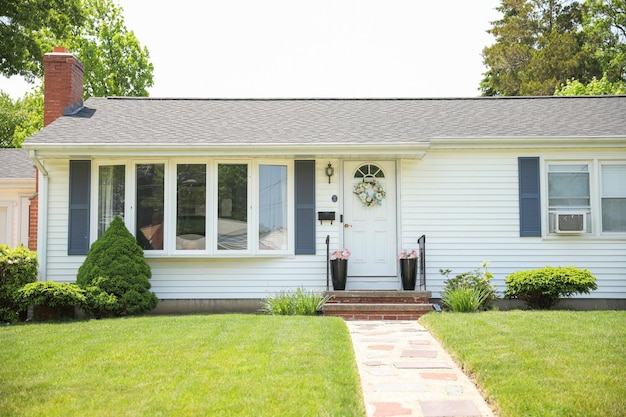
(329, 171)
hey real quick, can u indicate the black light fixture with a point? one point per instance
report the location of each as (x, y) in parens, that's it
(329, 171)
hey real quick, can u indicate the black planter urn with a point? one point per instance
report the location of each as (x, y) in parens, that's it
(339, 272)
(408, 272)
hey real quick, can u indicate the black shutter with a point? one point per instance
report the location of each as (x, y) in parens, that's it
(80, 181)
(529, 198)
(305, 207)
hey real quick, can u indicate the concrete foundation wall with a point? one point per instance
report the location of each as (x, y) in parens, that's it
(582, 304)
(191, 306)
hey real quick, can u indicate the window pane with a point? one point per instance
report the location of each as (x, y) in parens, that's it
(150, 205)
(614, 214)
(111, 195)
(272, 207)
(191, 206)
(614, 198)
(568, 189)
(613, 180)
(232, 207)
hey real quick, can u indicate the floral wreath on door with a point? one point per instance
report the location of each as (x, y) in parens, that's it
(369, 190)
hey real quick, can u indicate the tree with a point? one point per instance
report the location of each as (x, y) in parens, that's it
(540, 44)
(594, 88)
(21, 118)
(115, 62)
(10, 119)
(605, 30)
(115, 275)
(21, 25)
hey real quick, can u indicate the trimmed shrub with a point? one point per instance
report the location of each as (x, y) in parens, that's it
(115, 275)
(478, 280)
(301, 303)
(542, 288)
(60, 298)
(18, 266)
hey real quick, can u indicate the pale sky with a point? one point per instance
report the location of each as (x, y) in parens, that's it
(312, 48)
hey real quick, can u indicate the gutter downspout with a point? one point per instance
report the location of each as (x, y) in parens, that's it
(42, 216)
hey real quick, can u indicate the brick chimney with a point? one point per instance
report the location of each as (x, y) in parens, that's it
(62, 95)
(63, 84)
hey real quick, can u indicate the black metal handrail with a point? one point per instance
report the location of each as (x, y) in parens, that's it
(327, 262)
(422, 263)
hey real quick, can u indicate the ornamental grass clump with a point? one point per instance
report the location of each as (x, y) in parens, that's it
(464, 300)
(115, 275)
(542, 288)
(300, 302)
(469, 291)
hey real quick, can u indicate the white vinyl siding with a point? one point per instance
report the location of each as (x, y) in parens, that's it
(466, 203)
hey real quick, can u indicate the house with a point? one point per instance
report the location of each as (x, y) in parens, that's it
(17, 187)
(225, 195)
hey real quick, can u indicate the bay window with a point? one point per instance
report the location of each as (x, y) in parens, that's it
(199, 207)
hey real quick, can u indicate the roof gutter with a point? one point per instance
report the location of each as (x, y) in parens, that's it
(415, 150)
(42, 216)
(33, 155)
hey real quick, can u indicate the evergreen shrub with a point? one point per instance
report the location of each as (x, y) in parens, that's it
(115, 275)
(542, 288)
(58, 300)
(18, 266)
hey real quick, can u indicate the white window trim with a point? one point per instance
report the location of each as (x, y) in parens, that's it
(8, 204)
(595, 191)
(169, 239)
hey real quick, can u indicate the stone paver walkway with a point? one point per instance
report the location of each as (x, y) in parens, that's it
(405, 372)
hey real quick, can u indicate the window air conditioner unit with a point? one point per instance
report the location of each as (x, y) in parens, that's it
(568, 222)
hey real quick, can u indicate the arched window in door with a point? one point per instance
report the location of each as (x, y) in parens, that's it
(366, 171)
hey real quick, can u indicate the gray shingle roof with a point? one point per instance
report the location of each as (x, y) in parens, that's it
(16, 164)
(133, 121)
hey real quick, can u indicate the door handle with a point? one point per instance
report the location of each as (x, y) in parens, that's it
(347, 226)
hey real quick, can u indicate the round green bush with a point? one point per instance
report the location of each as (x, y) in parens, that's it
(18, 266)
(542, 288)
(52, 294)
(115, 275)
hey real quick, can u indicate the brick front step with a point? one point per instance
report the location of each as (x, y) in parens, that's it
(378, 305)
(375, 296)
(377, 311)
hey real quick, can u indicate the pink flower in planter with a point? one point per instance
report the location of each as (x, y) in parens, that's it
(340, 254)
(407, 254)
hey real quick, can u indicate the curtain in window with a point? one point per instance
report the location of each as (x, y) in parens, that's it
(111, 195)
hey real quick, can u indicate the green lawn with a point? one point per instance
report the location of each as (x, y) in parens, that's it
(210, 365)
(541, 363)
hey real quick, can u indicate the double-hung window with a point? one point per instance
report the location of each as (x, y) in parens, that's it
(586, 197)
(569, 194)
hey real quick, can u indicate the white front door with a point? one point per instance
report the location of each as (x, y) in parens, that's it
(369, 220)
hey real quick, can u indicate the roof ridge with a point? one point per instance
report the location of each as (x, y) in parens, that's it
(359, 98)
